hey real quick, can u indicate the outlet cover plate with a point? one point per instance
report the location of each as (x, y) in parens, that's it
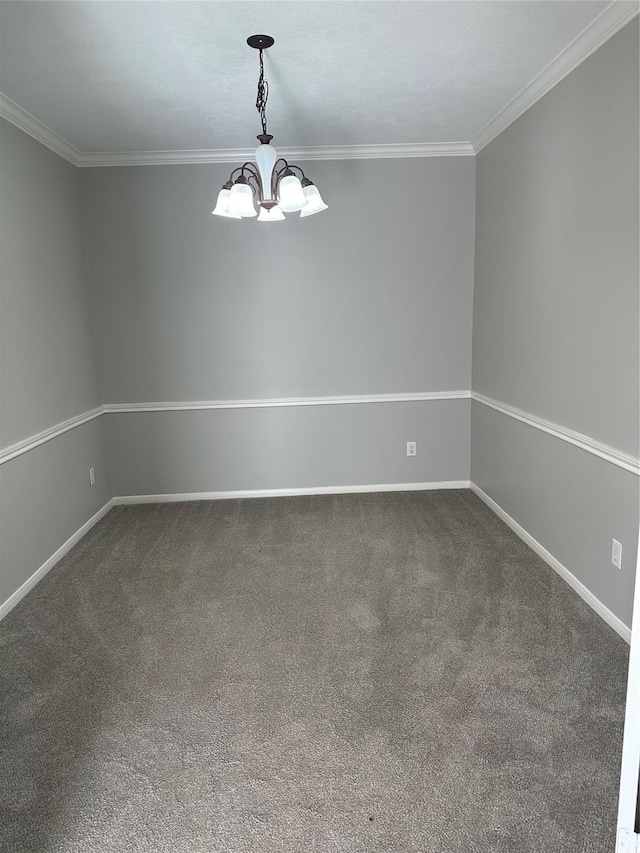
(616, 554)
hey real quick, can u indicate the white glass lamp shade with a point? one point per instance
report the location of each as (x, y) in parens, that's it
(241, 200)
(273, 215)
(291, 196)
(314, 201)
(222, 205)
(265, 160)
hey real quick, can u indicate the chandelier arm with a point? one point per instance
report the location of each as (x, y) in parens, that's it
(277, 174)
(249, 167)
(255, 174)
(293, 166)
(257, 189)
(241, 169)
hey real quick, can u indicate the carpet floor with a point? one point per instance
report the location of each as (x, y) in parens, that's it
(378, 672)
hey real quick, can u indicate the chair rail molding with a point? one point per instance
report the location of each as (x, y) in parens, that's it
(578, 439)
(584, 442)
(358, 399)
(20, 447)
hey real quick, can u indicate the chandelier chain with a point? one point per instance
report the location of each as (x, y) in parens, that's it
(263, 94)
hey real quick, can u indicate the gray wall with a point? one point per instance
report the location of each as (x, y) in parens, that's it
(45, 497)
(48, 362)
(374, 296)
(556, 316)
(281, 448)
(48, 366)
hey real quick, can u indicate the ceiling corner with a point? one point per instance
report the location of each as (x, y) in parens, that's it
(602, 28)
(14, 113)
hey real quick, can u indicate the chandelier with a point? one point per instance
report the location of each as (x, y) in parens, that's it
(272, 181)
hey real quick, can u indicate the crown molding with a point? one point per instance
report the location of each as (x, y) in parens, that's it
(14, 113)
(235, 155)
(607, 24)
(612, 19)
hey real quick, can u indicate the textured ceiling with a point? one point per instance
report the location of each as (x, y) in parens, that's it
(151, 76)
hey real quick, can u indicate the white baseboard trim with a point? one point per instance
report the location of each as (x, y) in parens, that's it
(610, 618)
(20, 593)
(279, 493)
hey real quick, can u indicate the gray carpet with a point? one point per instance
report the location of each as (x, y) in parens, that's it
(379, 672)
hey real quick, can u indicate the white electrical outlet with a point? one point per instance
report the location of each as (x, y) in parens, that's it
(616, 554)
(92, 477)
(412, 448)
